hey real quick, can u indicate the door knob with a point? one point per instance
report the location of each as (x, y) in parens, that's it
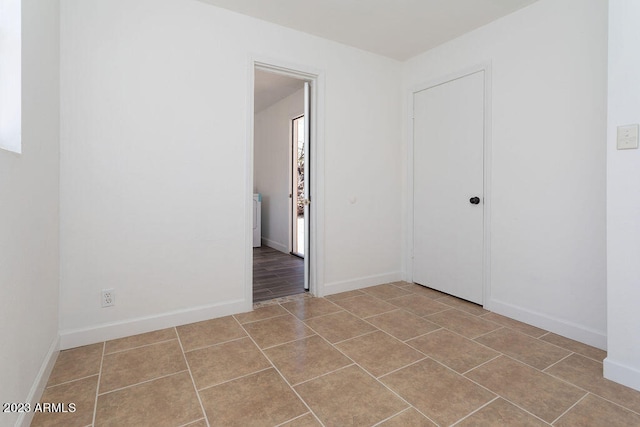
(474, 200)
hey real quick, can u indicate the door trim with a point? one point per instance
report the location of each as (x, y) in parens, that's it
(316, 234)
(486, 255)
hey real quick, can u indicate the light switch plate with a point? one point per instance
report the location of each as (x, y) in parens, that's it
(627, 137)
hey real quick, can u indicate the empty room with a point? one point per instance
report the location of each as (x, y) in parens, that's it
(281, 213)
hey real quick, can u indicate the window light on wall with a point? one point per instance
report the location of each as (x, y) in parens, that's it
(10, 76)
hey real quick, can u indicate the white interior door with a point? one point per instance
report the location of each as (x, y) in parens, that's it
(448, 174)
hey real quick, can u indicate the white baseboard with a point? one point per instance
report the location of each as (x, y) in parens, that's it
(39, 384)
(361, 282)
(550, 323)
(621, 373)
(71, 338)
(275, 245)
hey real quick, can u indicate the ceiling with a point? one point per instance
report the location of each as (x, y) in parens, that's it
(270, 88)
(398, 29)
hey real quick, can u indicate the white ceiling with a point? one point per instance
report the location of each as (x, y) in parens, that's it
(398, 29)
(270, 88)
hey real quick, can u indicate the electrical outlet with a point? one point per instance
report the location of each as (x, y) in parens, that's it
(108, 297)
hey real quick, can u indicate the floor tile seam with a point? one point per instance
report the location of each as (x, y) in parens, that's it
(282, 376)
(402, 367)
(586, 390)
(572, 351)
(473, 340)
(409, 405)
(458, 307)
(212, 345)
(569, 408)
(437, 312)
(544, 331)
(194, 421)
(352, 363)
(295, 418)
(260, 320)
(397, 394)
(384, 332)
(354, 337)
(423, 335)
(382, 298)
(95, 403)
(502, 352)
(363, 317)
(343, 299)
(314, 317)
(321, 315)
(555, 363)
(502, 396)
(73, 380)
(517, 361)
(288, 342)
(499, 328)
(141, 346)
(193, 381)
(499, 396)
(483, 363)
(512, 357)
(392, 416)
(235, 378)
(144, 382)
(470, 414)
(393, 308)
(614, 403)
(526, 336)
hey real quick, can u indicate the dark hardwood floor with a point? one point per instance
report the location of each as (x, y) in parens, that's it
(276, 274)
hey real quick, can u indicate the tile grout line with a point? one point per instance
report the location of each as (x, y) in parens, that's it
(139, 346)
(95, 405)
(379, 423)
(591, 392)
(470, 414)
(280, 373)
(500, 395)
(556, 362)
(212, 345)
(235, 378)
(570, 408)
(143, 382)
(373, 377)
(193, 422)
(193, 382)
(294, 419)
(72, 381)
(440, 328)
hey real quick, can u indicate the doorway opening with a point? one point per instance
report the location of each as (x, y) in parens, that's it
(281, 142)
(297, 189)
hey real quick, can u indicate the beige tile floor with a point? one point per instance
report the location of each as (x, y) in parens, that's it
(390, 355)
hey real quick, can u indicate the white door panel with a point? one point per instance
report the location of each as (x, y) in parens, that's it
(448, 172)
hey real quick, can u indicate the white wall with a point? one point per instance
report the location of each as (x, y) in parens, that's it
(272, 139)
(623, 198)
(548, 159)
(154, 97)
(29, 217)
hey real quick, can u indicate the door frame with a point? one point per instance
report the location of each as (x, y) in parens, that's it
(316, 164)
(486, 253)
